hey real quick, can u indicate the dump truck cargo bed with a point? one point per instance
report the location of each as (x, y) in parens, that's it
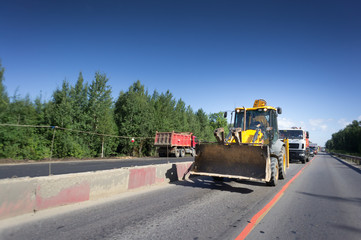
(245, 161)
(172, 139)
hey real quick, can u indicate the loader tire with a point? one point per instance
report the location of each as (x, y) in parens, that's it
(274, 172)
(282, 165)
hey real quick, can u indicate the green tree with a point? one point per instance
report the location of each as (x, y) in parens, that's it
(193, 124)
(206, 132)
(59, 112)
(218, 121)
(347, 140)
(180, 117)
(18, 142)
(22, 142)
(163, 118)
(79, 103)
(134, 116)
(100, 114)
(4, 99)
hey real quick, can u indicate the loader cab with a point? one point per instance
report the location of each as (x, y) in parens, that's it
(264, 118)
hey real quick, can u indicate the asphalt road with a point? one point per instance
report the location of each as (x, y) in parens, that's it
(323, 202)
(56, 168)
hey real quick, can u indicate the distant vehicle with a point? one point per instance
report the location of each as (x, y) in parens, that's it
(312, 153)
(175, 144)
(298, 143)
(314, 148)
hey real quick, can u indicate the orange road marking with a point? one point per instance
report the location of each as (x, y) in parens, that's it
(258, 217)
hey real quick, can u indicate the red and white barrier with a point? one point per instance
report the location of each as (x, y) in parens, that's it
(26, 195)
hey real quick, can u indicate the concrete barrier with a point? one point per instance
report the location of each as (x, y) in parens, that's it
(25, 195)
(17, 196)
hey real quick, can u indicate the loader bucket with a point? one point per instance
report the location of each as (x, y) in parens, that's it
(232, 161)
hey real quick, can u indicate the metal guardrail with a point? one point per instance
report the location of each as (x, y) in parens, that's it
(348, 157)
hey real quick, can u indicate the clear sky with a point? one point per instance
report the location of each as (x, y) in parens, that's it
(304, 56)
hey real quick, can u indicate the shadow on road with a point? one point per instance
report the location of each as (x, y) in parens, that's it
(347, 164)
(208, 182)
(347, 228)
(356, 201)
(249, 182)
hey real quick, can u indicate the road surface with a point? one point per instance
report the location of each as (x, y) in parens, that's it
(323, 202)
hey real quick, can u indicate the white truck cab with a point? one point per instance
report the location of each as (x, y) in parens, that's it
(298, 143)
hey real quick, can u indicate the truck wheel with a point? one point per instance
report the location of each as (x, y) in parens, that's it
(282, 165)
(177, 153)
(274, 172)
(182, 152)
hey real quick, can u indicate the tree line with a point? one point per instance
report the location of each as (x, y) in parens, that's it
(347, 140)
(83, 121)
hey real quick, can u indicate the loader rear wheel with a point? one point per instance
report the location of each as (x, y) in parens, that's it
(274, 172)
(282, 165)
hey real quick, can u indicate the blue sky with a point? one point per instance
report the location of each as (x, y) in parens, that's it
(304, 56)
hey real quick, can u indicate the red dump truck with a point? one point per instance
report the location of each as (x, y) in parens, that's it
(175, 144)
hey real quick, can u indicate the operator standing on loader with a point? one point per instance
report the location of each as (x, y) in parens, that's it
(251, 151)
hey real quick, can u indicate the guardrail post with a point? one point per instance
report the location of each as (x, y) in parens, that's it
(52, 147)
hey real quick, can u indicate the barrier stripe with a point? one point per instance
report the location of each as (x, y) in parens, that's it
(258, 217)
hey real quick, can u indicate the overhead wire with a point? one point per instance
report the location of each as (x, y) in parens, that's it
(73, 130)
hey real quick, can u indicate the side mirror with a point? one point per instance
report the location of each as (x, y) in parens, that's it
(279, 110)
(225, 115)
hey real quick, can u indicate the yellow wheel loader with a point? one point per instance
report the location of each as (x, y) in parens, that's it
(252, 150)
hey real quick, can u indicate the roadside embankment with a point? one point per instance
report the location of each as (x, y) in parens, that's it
(25, 195)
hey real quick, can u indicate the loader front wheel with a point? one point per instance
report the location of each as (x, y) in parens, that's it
(274, 172)
(282, 165)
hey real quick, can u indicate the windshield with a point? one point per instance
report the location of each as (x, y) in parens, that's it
(254, 119)
(291, 134)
